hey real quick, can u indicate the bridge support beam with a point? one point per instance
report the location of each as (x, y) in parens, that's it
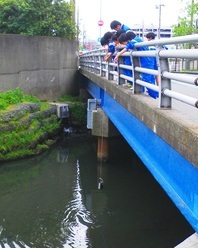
(103, 128)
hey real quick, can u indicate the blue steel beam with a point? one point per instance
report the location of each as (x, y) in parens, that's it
(172, 171)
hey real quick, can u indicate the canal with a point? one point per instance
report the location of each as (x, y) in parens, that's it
(53, 200)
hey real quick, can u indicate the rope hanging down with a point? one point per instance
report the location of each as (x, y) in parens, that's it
(100, 180)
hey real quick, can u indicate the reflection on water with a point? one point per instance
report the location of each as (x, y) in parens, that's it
(53, 201)
(77, 218)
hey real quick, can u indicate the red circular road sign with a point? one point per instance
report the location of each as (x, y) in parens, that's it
(100, 23)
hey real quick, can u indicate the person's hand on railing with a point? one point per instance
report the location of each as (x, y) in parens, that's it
(119, 54)
(116, 58)
(107, 57)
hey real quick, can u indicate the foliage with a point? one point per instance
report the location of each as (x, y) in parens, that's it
(31, 136)
(78, 112)
(15, 96)
(69, 98)
(187, 25)
(77, 108)
(44, 105)
(23, 142)
(36, 17)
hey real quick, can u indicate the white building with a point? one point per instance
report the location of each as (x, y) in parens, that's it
(142, 30)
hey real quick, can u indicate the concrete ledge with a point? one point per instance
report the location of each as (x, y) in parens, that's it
(190, 242)
(18, 111)
(174, 127)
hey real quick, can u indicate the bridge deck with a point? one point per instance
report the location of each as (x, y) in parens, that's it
(190, 112)
(164, 139)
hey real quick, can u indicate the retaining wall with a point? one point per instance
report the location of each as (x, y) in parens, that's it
(42, 66)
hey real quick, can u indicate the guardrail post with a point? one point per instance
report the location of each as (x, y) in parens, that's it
(91, 65)
(102, 65)
(164, 83)
(95, 65)
(109, 68)
(120, 70)
(136, 75)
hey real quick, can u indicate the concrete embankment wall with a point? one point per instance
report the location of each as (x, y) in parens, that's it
(42, 66)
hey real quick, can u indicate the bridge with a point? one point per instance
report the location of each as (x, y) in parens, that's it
(162, 133)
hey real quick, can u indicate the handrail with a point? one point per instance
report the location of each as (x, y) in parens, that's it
(94, 61)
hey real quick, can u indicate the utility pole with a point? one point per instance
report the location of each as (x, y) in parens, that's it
(100, 17)
(192, 16)
(78, 28)
(159, 7)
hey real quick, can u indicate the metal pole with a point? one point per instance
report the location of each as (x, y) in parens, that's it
(192, 16)
(100, 16)
(159, 28)
(142, 29)
(159, 21)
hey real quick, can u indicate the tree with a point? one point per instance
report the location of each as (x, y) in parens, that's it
(187, 24)
(36, 17)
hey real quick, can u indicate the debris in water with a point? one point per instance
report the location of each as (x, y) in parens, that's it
(69, 130)
(100, 183)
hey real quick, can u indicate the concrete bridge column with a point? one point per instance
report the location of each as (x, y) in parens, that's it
(103, 128)
(103, 149)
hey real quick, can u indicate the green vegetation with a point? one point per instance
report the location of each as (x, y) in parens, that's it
(36, 17)
(28, 126)
(28, 140)
(27, 131)
(188, 23)
(15, 97)
(78, 109)
(71, 99)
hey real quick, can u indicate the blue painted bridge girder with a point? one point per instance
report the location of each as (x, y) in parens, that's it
(174, 173)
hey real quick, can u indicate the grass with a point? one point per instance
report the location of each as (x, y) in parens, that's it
(27, 136)
(15, 96)
(78, 109)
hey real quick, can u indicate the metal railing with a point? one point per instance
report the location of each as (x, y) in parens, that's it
(93, 61)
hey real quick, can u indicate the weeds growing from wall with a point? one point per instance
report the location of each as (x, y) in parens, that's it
(31, 133)
(15, 96)
(78, 109)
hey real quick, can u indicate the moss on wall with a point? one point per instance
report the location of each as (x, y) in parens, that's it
(28, 129)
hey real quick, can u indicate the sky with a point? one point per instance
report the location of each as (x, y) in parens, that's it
(129, 12)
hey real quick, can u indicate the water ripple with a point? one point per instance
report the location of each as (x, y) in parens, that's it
(77, 219)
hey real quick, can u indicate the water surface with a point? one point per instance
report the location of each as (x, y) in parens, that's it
(53, 200)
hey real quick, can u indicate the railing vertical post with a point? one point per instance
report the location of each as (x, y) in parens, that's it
(85, 64)
(103, 72)
(95, 67)
(91, 63)
(120, 70)
(102, 65)
(136, 75)
(164, 83)
(109, 68)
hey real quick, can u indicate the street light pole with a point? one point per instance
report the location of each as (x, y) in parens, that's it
(100, 16)
(160, 12)
(192, 16)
